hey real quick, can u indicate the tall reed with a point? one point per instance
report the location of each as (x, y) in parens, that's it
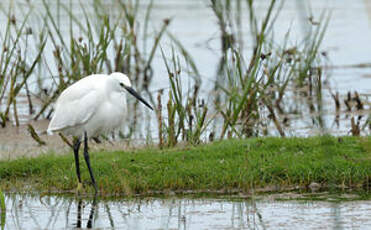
(257, 85)
(187, 113)
(250, 89)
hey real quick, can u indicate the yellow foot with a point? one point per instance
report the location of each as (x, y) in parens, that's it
(79, 187)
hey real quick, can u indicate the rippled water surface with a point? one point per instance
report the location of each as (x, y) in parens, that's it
(49, 212)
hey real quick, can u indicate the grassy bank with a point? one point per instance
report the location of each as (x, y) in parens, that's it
(231, 165)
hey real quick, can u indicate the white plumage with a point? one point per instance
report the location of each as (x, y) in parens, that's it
(93, 105)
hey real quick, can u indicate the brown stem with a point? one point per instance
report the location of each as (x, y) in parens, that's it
(34, 135)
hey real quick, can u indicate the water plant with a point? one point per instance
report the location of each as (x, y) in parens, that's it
(256, 87)
(187, 113)
(251, 89)
(17, 63)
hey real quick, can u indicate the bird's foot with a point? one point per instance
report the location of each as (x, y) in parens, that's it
(79, 188)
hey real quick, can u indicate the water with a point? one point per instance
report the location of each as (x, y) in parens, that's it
(194, 24)
(347, 43)
(53, 212)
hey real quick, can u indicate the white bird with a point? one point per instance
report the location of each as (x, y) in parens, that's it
(94, 105)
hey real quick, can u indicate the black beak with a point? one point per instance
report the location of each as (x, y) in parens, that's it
(135, 94)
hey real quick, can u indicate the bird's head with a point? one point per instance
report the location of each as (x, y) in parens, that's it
(124, 84)
(122, 80)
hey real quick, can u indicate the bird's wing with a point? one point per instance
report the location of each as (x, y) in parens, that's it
(74, 107)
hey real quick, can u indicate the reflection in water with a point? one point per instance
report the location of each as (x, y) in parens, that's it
(33, 212)
(80, 206)
(335, 211)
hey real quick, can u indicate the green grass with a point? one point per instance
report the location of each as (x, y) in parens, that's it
(228, 165)
(2, 210)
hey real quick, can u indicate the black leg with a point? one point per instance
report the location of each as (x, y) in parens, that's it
(86, 156)
(76, 147)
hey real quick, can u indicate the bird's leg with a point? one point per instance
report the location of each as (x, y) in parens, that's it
(76, 147)
(86, 156)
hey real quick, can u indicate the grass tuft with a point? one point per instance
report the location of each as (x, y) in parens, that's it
(230, 165)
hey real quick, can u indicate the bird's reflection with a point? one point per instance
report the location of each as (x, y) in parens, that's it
(80, 208)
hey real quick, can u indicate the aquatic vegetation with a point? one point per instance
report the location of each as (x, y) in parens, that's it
(93, 44)
(17, 63)
(255, 91)
(187, 117)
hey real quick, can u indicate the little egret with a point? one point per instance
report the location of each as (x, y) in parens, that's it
(94, 105)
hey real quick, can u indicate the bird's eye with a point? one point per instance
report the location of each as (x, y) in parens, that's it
(121, 84)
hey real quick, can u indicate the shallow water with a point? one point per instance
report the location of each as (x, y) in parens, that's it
(194, 24)
(53, 212)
